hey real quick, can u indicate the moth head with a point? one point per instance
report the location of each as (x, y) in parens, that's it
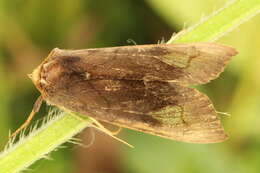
(46, 72)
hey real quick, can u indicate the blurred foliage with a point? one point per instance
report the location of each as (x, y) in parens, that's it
(30, 29)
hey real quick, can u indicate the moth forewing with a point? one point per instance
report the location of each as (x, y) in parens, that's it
(186, 64)
(139, 87)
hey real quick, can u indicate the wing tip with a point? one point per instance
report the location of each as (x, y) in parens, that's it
(218, 137)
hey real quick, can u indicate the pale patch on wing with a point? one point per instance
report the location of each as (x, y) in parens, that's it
(169, 115)
(201, 62)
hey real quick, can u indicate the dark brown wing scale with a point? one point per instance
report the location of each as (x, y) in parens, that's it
(139, 87)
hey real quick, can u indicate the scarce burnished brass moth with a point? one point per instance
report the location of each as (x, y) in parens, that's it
(142, 87)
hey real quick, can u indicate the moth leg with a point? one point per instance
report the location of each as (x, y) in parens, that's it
(116, 132)
(100, 127)
(36, 108)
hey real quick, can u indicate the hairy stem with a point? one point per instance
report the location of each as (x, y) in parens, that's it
(219, 23)
(27, 150)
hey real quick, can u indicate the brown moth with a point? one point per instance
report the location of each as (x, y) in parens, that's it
(143, 87)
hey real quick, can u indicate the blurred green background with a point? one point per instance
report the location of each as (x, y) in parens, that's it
(30, 29)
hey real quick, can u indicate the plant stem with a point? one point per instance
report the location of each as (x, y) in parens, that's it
(40, 142)
(62, 128)
(220, 22)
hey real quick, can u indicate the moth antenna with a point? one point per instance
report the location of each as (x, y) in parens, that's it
(103, 129)
(36, 108)
(224, 113)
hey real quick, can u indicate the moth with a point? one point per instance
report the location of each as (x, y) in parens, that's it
(142, 87)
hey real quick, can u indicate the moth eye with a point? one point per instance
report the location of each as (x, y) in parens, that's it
(51, 71)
